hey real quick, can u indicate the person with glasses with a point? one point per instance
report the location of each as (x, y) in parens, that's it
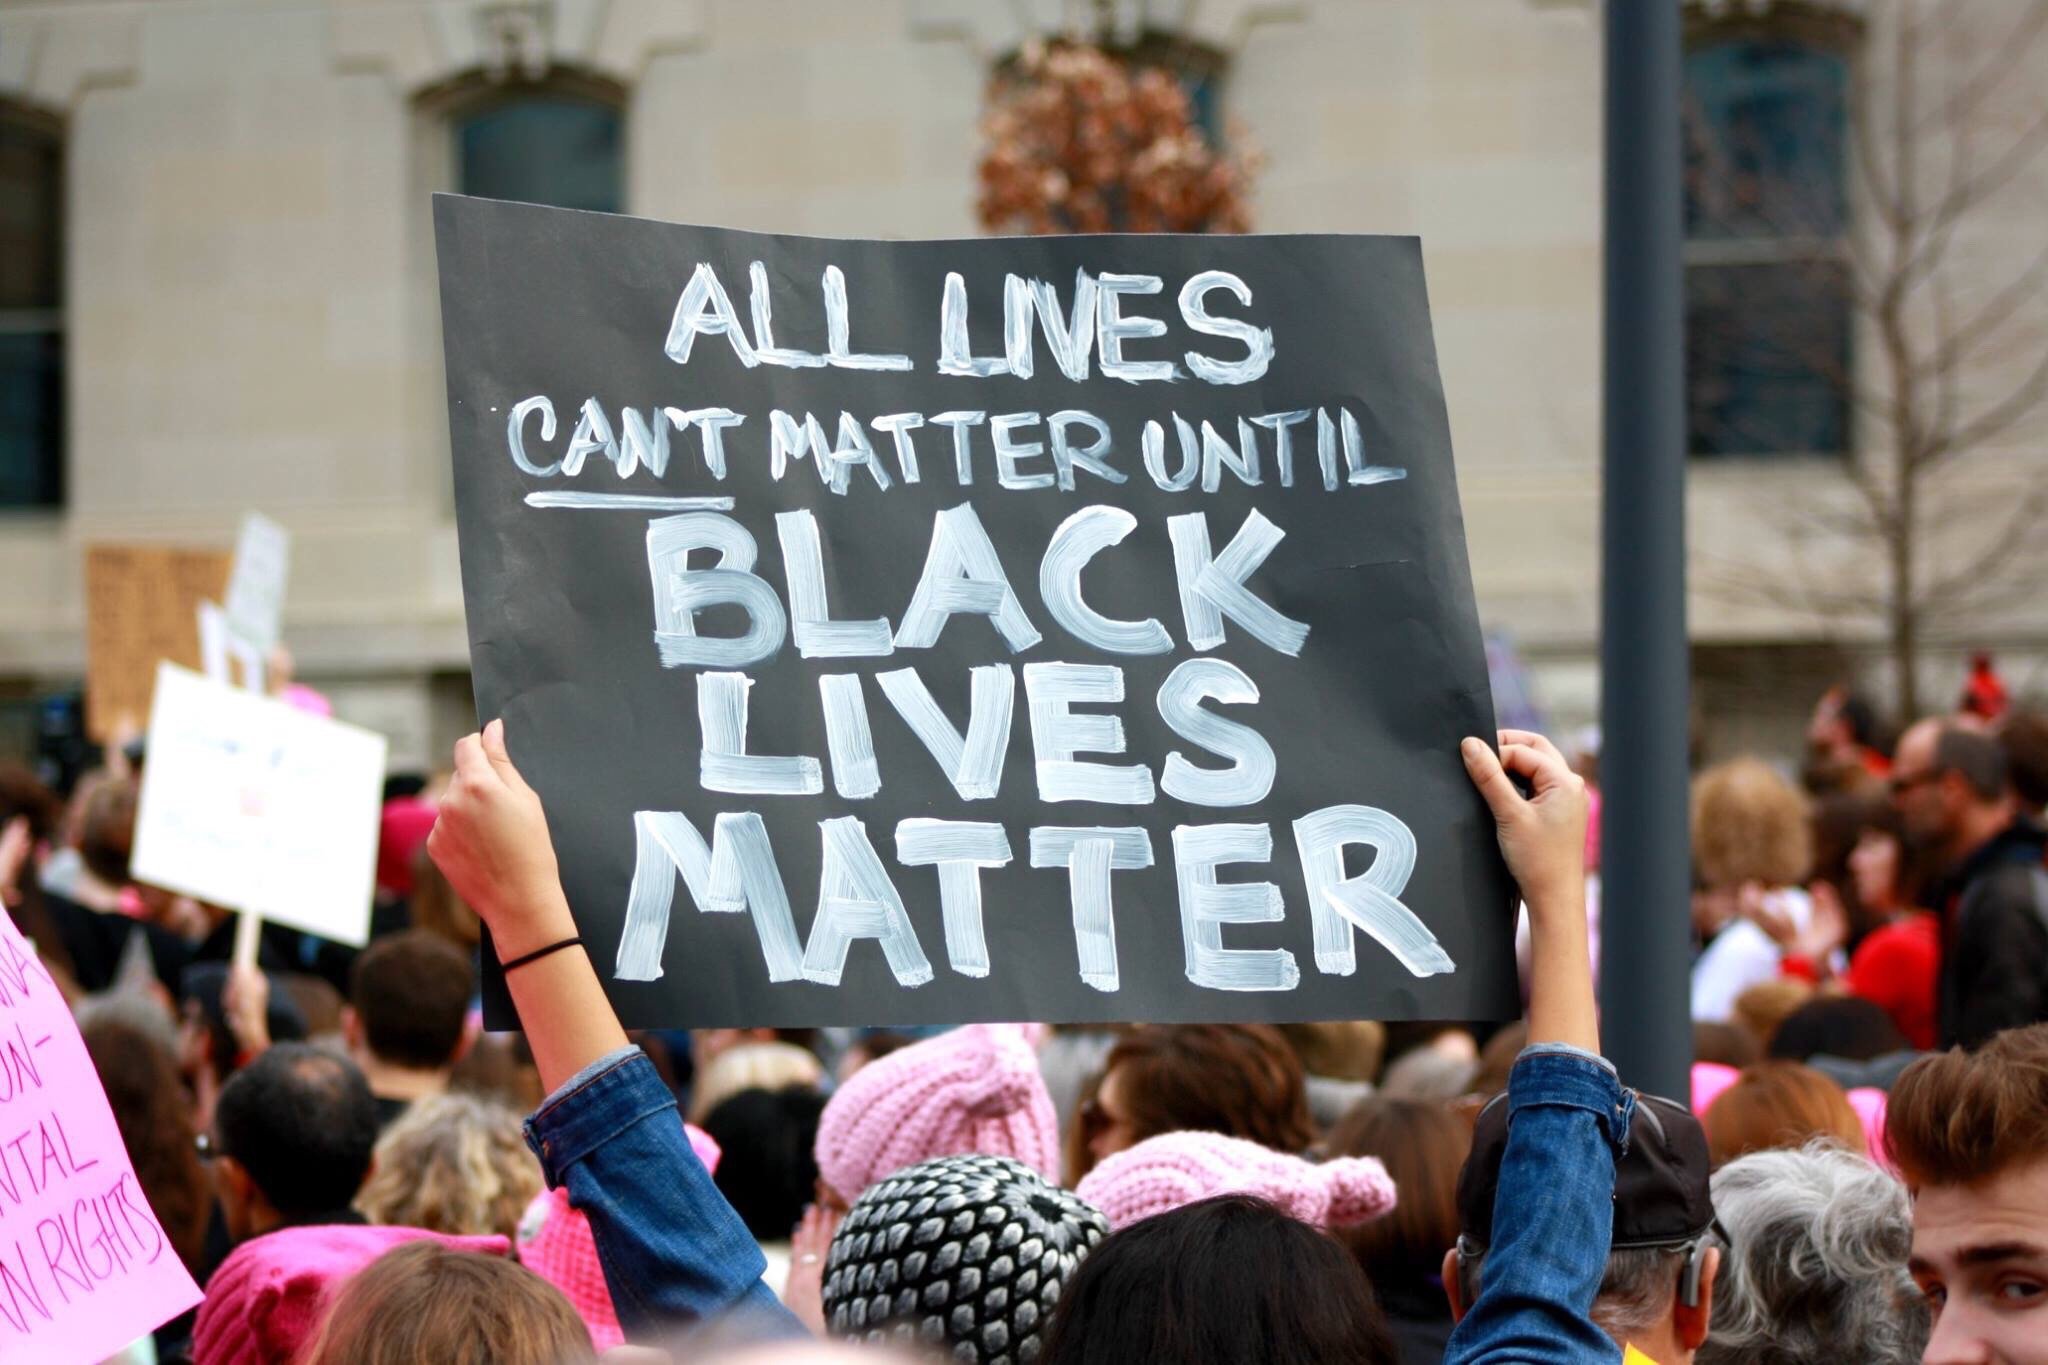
(1953, 791)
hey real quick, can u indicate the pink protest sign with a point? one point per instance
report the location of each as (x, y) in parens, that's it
(85, 1268)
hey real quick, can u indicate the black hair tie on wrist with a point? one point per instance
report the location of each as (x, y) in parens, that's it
(539, 953)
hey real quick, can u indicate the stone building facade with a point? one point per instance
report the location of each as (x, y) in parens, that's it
(246, 317)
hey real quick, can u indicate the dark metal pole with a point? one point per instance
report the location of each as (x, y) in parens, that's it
(1645, 856)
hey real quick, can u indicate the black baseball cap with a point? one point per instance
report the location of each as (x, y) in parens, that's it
(1661, 1195)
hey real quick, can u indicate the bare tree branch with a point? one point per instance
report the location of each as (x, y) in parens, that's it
(2005, 58)
(2022, 399)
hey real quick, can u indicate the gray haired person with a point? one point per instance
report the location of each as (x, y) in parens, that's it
(1816, 1270)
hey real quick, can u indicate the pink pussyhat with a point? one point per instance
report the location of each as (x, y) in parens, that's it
(555, 1243)
(268, 1299)
(1175, 1169)
(975, 1089)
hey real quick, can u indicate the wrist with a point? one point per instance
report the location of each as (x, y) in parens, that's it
(518, 928)
(1555, 903)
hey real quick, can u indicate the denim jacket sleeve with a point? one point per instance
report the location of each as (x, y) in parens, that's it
(672, 1248)
(1553, 1215)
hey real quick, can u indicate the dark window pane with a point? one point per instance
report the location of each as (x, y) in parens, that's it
(543, 149)
(31, 202)
(1765, 129)
(1767, 355)
(31, 419)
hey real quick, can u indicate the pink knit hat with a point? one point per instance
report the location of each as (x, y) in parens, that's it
(975, 1089)
(555, 1243)
(1164, 1173)
(266, 1301)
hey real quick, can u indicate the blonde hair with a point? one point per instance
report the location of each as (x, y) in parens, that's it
(425, 1301)
(1767, 1004)
(453, 1164)
(753, 1066)
(1749, 825)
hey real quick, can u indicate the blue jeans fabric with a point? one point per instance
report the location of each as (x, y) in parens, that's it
(1553, 1214)
(673, 1250)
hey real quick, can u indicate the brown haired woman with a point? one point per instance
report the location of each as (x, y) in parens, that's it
(1241, 1080)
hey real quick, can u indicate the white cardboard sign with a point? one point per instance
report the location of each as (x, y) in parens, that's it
(255, 805)
(255, 596)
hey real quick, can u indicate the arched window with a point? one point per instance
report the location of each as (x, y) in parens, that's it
(556, 140)
(31, 309)
(543, 149)
(1768, 302)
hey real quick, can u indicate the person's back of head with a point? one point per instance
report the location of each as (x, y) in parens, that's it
(409, 993)
(454, 1164)
(1767, 1004)
(429, 1302)
(1975, 757)
(1840, 1026)
(1749, 825)
(970, 1254)
(106, 832)
(1241, 1080)
(1422, 1144)
(1969, 1132)
(202, 986)
(1226, 1279)
(1724, 1044)
(1815, 1271)
(1348, 1049)
(766, 1169)
(1777, 1104)
(296, 1126)
(752, 1066)
(1657, 1291)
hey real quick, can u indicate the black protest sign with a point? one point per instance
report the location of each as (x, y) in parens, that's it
(916, 632)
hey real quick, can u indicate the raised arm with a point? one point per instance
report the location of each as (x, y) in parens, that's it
(1553, 1215)
(672, 1247)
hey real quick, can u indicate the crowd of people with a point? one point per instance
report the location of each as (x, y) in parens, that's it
(355, 1172)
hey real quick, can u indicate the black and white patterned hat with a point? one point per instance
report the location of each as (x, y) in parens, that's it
(969, 1252)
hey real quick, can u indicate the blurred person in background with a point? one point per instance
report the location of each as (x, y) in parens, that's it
(139, 1073)
(1780, 1104)
(407, 1023)
(752, 1066)
(1752, 848)
(1953, 790)
(426, 1301)
(1896, 960)
(1844, 743)
(29, 815)
(1815, 1268)
(1422, 1145)
(1847, 1027)
(1238, 1080)
(292, 1140)
(766, 1170)
(1340, 1061)
(451, 1163)
(1761, 1008)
